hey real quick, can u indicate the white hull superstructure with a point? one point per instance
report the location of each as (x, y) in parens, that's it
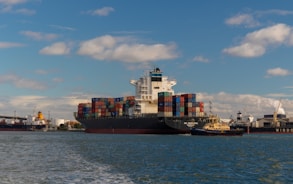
(147, 89)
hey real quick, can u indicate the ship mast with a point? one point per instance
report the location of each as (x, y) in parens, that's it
(210, 107)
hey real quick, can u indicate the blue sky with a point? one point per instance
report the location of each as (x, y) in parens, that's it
(56, 54)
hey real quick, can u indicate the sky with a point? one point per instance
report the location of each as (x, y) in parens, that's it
(235, 55)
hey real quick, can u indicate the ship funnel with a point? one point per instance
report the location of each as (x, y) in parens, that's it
(40, 115)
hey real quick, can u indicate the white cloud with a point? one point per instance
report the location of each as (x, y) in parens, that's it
(225, 104)
(200, 59)
(20, 82)
(25, 11)
(243, 19)
(278, 72)
(124, 49)
(59, 48)
(63, 27)
(39, 35)
(10, 45)
(280, 95)
(276, 34)
(274, 11)
(289, 87)
(41, 72)
(246, 50)
(8, 7)
(57, 80)
(59, 107)
(105, 11)
(249, 19)
(12, 2)
(256, 43)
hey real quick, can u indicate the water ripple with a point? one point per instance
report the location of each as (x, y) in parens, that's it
(56, 157)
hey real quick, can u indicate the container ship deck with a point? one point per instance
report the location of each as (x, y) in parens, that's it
(155, 109)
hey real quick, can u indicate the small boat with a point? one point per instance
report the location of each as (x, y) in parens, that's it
(214, 127)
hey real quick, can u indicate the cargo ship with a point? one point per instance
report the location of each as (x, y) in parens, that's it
(154, 109)
(271, 123)
(29, 123)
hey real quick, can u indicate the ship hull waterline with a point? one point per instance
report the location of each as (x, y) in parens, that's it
(151, 125)
(267, 130)
(203, 132)
(21, 127)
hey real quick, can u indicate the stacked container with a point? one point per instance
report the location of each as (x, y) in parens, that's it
(106, 107)
(111, 107)
(178, 105)
(100, 107)
(84, 110)
(189, 104)
(127, 103)
(165, 104)
(199, 109)
(169, 105)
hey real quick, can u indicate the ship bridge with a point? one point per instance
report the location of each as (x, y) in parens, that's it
(148, 87)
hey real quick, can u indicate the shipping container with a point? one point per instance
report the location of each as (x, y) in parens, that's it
(168, 105)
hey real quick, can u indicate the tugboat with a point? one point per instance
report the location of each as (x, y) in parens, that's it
(214, 127)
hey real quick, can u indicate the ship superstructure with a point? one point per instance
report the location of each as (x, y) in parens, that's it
(270, 123)
(29, 123)
(154, 109)
(147, 89)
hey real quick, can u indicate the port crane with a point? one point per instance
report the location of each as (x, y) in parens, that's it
(275, 118)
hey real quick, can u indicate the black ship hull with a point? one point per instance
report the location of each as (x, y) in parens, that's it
(21, 127)
(268, 130)
(235, 132)
(140, 125)
(267, 125)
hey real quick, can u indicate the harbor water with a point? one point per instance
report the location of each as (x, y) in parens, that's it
(77, 157)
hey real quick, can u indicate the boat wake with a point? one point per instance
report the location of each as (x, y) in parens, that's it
(29, 162)
(82, 171)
